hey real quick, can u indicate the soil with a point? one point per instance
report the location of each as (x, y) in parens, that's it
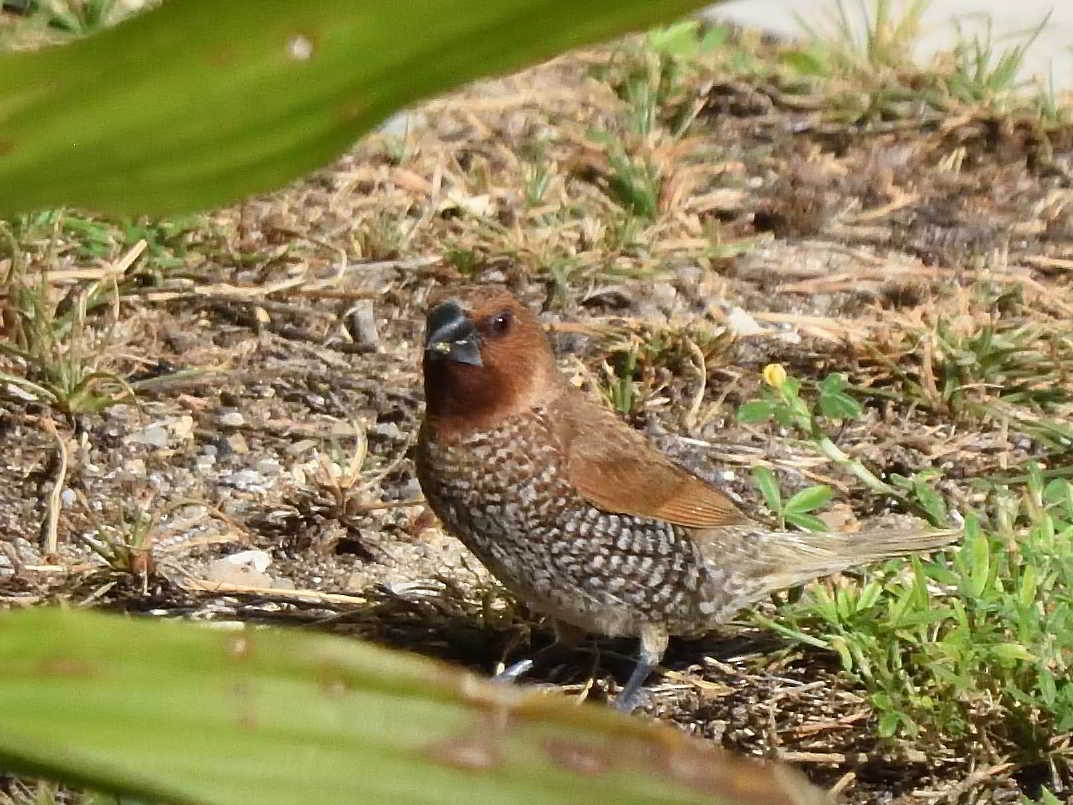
(285, 337)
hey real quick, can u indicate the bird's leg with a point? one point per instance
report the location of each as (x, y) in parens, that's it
(653, 643)
(566, 639)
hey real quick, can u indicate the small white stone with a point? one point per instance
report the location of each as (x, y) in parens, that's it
(268, 466)
(258, 560)
(742, 324)
(246, 480)
(154, 435)
(232, 419)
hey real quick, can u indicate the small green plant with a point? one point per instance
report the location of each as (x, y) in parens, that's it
(537, 179)
(641, 362)
(990, 631)
(633, 181)
(1000, 369)
(621, 381)
(59, 20)
(95, 240)
(918, 487)
(798, 510)
(982, 75)
(54, 362)
(167, 240)
(861, 60)
(623, 233)
(466, 261)
(652, 75)
(870, 44)
(781, 401)
(126, 546)
(1007, 359)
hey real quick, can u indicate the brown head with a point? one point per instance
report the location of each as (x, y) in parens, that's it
(486, 358)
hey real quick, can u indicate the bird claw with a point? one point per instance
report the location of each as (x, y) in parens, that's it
(627, 701)
(511, 673)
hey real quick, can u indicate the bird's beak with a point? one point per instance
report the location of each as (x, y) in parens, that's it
(451, 335)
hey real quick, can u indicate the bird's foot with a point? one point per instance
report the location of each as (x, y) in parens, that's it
(512, 672)
(632, 693)
(539, 664)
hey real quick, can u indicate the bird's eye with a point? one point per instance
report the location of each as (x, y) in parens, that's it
(501, 322)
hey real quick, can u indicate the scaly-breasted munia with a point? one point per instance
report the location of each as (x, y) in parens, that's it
(575, 512)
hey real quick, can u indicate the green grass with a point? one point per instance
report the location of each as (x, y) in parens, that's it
(869, 42)
(859, 59)
(977, 645)
(985, 74)
(970, 645)
(59, 336)
(77, 17)
(639, 361)
(1000, 362)
(634, 181)
(53, 359)
(50, 234)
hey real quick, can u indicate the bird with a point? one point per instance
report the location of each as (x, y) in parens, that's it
(577, 513)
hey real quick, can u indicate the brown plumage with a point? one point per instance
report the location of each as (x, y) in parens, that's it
(576, 512)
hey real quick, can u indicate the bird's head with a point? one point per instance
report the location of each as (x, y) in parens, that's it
(486, 357)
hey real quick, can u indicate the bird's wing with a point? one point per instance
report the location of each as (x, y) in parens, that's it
(616, 469)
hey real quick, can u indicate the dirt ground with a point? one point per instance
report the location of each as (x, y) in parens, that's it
(283, 337)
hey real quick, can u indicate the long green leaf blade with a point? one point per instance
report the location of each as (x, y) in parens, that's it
(189, 714)
(198, 103)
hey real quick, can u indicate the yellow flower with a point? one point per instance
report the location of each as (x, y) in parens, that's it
(774, 375)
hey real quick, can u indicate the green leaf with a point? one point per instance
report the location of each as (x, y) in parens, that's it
(900, 481)
(1059, 491)
(809, 499)
(786, 418)
(1048, 688)
(834, 402)
(931, 501)
(840, 406)
(1011, 652)
(715, 38)
(1029, 585)
(808, 522)
(680, 40)
(184, 713)
(869, 595)
(844, 654)
(198, 103)
(975, 559)
(923, 617)
(888, 724)
(755, 412)
(768, 485)
(805, 62)
(833, 383)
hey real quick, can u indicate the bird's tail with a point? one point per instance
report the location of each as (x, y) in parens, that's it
(797, 557)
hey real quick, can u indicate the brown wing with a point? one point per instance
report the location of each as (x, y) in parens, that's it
(616, 469)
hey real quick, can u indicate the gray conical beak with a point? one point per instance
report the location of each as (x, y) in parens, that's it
(451, 335)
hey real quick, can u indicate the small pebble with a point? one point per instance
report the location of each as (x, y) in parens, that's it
(232, 419)
(155, 435)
